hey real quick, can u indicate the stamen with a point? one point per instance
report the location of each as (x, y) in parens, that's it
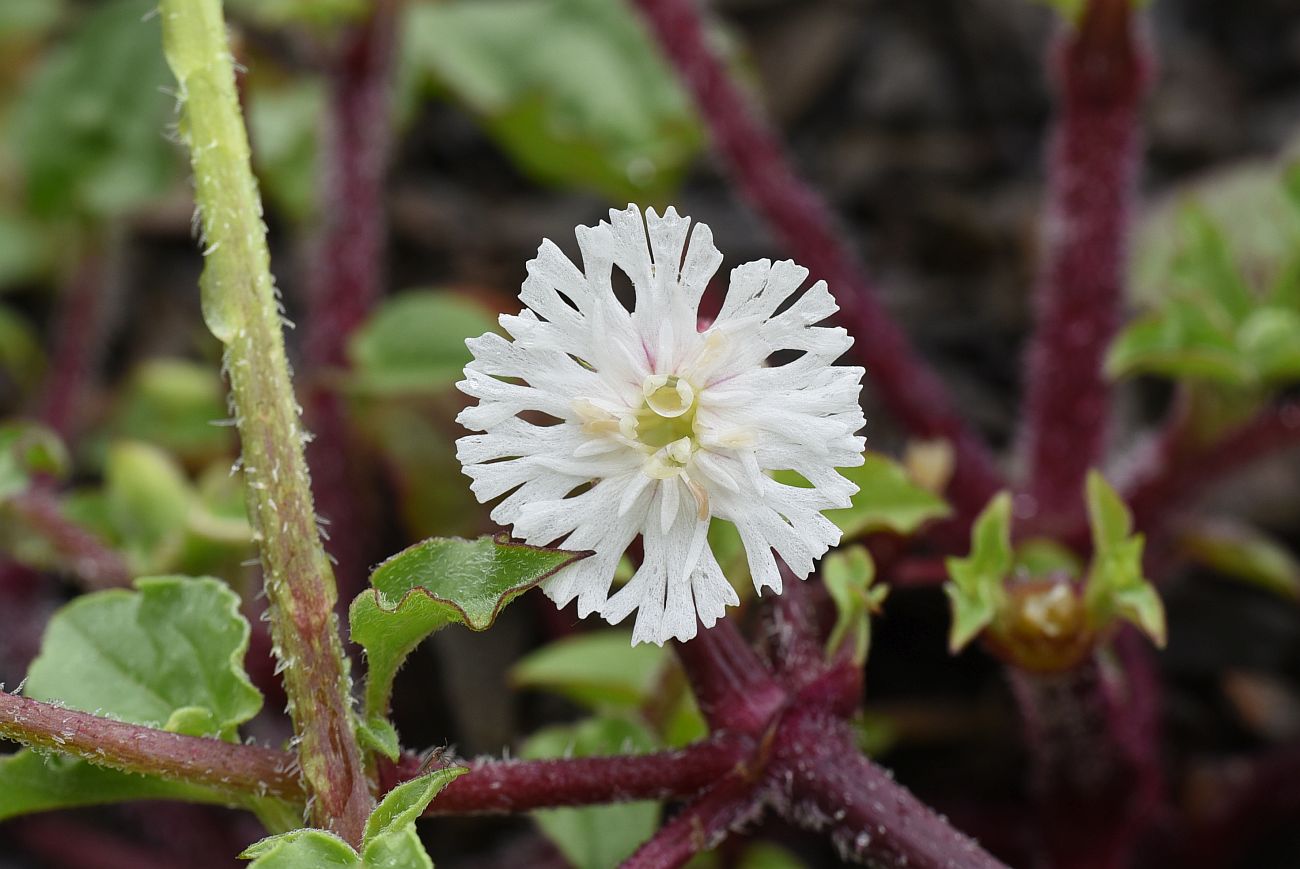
(701, 498)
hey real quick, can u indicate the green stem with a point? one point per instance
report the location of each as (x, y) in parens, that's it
(241, 307)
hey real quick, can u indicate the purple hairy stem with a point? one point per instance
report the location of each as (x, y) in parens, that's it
(80, 553)
(1102, 71)
(234, 768)
(1092, 735)
(762, 170)
(500, 786)
(734, 690)
(1177, 472)
(830, 785)
(701, 825)
(348, 279)
(80, 336)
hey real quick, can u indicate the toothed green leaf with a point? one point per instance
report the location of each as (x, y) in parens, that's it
(1116, 587)
(436, 583)
(975, 582)
(848, 575)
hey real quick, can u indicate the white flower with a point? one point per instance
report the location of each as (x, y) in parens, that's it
(608, 424)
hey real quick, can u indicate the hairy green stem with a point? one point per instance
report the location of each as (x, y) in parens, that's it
(241, 307)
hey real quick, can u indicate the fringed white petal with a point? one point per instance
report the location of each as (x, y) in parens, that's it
(613, 465)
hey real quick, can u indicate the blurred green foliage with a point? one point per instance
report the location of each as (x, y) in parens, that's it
(595, 837)
(88, 127)
(1219, 272)
(572, 90)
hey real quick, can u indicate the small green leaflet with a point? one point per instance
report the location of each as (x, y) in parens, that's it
(848, 575)
(1244, 553)
(436, 583)
(390, 840)
(1116, 587)
(1224, 291)
(975, 587)
(415, 344)
(601, 669)
(599, 836)
(886, 500)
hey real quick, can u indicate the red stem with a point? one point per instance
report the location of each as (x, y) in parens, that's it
(1092, 734)
(801, 220)
(1102, 75)
(240, 769)
(735, 692)
(348, 279)
(80, 552)
(1176, 473)
(703, 824)
(80, 336)
(500, 786)
(871, 818)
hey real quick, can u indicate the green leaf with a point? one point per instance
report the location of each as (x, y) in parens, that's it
(573, 90)
(28, 450)
(1040, 557)
(27, 247)
(169, 654)
(415, 343)
(390, 840)
(849, 574)
(1270, 339)
(284, 121)
(177, 405)
(601, 670)
(601, 836)
(406, 802)
(33, 781)
(765, 855)
(1221, 272)
(887, 500)
(1244, 553)
(21, 356)
(378, 734)
(436, 583)
(1180, 341)
(302, 849)
(88, 128)
(148, 499)
(1116, 587)
(975, 587)
(23, 18)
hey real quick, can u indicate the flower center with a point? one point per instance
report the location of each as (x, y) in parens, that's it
(668, 415)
